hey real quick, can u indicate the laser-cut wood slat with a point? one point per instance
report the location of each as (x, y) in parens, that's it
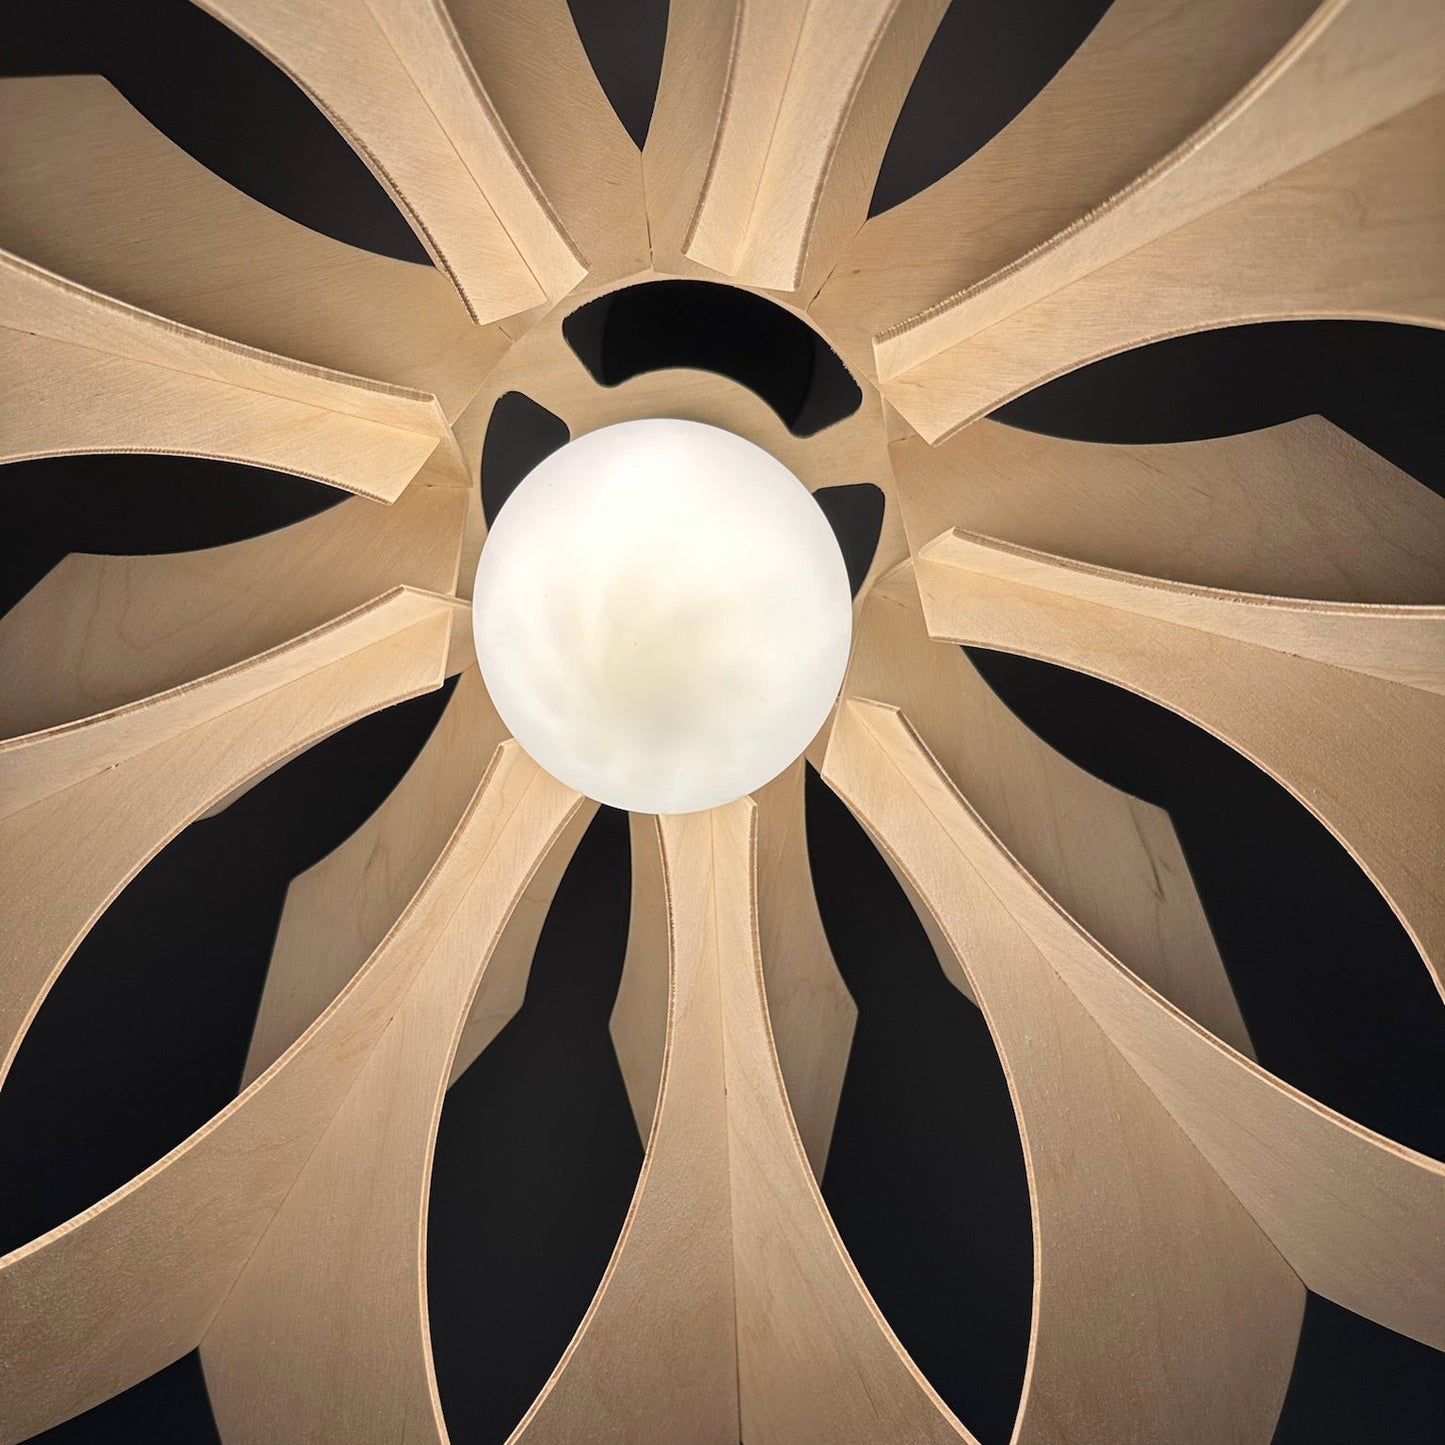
(1189, 166)
(394, 80)
(90, 190)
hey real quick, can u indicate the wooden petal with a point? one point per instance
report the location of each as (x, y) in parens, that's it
(300, 1310)
(1141, 1252)
(100, 632)
(90, 190)
(123, 1289)
(770, 125)
(393, 78)
(1359, 752)
(1356, 233)
(1350, 67)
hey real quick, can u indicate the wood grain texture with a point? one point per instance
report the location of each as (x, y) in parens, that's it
(1161, 1311)
(90, 190)
(1359, 752)
(811, 1010)
(37, 765)
(1111, 859)
(654, 1357)
(1355, 233)
(1150, 74)
(1361, 1219)
(99, 632)
(338, 911)
(129, 1285)
(808, 94)
(1401, 644)
(393, 78)
(307, 1346)
(535, 72)
(1353, 65)
(1300, 510)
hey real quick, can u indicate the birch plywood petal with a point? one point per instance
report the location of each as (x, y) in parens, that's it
(1151, 73)
(69, 854)
(654, 1357)
(90, 190)
(1300, 509)
(337, 912)
(812, 1012)
(1359, 752)
(808, 100)
(1141, 1252)
(37, 765)
(1352, 66)
(394, 80)
(129, 1285)
(535, 72)
(300, 1312)
(1355, 233)
(1358, 1217)
(1111, 859)
(100, 632)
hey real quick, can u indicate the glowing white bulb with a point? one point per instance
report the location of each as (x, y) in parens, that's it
(662, 616)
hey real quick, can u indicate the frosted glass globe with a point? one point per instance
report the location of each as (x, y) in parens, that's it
(662, 616)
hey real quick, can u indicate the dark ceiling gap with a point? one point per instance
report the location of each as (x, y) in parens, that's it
(855, 513)
(926, 1161)
(624, 40)
(145, 1032)
(537, 1158)
(520, 435)
(1322, 969)
(708, 326)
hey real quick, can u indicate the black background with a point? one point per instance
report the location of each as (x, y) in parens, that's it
(143, 1037)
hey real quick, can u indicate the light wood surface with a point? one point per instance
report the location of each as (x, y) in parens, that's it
(1300, 510)
(1150, 74)
(393, 78)
(1355, 233)
(1111, 859)
(1353, 65)
(99, 632)
(1361, 1219)
(1140, 1251)
(1316, 729)
(300, 1312)
(128, 1286)
(90, 190)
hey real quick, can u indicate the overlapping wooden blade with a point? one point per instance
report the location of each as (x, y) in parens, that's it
(123, 1289)
(90, 190)
(393, 78)
(301, 1310)
(1141, 1252)
(770, 125)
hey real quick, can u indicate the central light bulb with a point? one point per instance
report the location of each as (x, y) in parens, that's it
(662, 616)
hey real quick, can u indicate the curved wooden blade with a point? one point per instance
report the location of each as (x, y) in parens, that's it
(1353, 65)
(300, 1310)
(129, 1285)
(1361, 753)
(534, 70)
(1141, 1252)
(1111, 859)
(393, 78)
(1300, 509)
(72, 849)
(86, 373)
(770, 125)
(90, 190)
(1355, 233)
(100, 632)
(1150, 74)
(811, 1011)
(1354, 1214)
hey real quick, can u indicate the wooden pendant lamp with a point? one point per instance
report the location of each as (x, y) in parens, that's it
(1191, 166)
